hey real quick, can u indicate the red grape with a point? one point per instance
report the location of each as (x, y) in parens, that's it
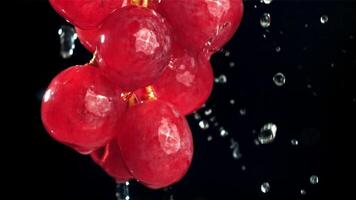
(85, 14)
(109, 158)
(88, 38)
(81, 108)
(134, 47)
(186, 83)
(201, 24)
(156, 143)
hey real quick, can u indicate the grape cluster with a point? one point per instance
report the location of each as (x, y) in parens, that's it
(127, 106)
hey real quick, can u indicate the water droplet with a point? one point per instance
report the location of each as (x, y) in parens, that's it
(265, 187)
(243, 167)
(265, 20)
(306, 25)
(324, 19)
(122, 191)
(221, 79)
(279, 79)
(203, 124)
(243, 111)
(303, 192)
(267, 133)
(256, 142)
(314, 179)
(223, 132)
(266, 1)
(227, 53)
(255, 6)
(209, 138)
(208, 112)
(216, 124)
(278, 49)
(197, 116)
(232, 64)
(212, 119)
(67, 37)
(232, 101)
(264, 35)
(236, 153)
(309, 86)
(332, 65)
(294, 142)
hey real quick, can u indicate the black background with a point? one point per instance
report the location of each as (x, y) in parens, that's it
(45, 169)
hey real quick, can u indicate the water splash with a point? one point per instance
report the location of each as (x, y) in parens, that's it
(67, 38)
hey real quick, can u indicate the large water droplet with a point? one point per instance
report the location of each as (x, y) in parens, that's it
(266, 1)
(67, 37)
(267, 133)
(265, 20)
(314, 179)
(324, 19)
(265, 187)
(279, 79)
(203, 124)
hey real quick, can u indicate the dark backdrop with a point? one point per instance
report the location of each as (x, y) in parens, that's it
(319, 55)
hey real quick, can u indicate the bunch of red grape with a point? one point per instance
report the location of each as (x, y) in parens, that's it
(127, 107)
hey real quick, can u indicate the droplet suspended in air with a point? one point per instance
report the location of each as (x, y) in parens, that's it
(303, 192)
(209, 138)
(314, 179)
(279, 79)
(243, 111)
(265, 20)
(267, 133)
(278, 49)
(208, 112)
(265, 187)
(294, 142)
(227, 53)
(234, 145)
(243, 167)
(324, 19)
(221, 79)
(67, 37)
(203, 124)
(223, 132)
(266, 1)
(197, 116)
(232, 64)
(232, 101)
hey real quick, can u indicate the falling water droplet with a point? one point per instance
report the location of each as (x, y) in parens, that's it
(243, 111)
(221, 79)
(265, 187)
(197, 116)
(303, 192)
(306, 25)
(234, 145)
(324, 19)
(232, 64)
(203, 124)
(294, 142)
(122, 191)
(278, 49)
(212, 119)
(267, 133)
(208, 112)
(67, 37)
(216, 124)
(223, 132)
(266, 1)
(227, 53)
(232, 101)
(209, 138)
(243, 167)
(279, 79)
(314, 179)
(265, 20)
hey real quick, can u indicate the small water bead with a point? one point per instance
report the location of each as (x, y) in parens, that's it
(265, 187)
(265, 20)
(223, 132)
(324, 19)
(232, 101)
(221, 79)
(197, 116)
(209, 138)
(216, 124)
(278, 49)
(303, 192)
(294, 142)
(314, 179)
(309, 86)
(264, 35)
(212, 119)
(279, 79)
(236, 153)
(243, 111)
(332, 65)
(227, 53)
(232, 64)
(67, 37)
(203, 124)
(208, 112)
(306, 25)
(267, 133)
(243, 167)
